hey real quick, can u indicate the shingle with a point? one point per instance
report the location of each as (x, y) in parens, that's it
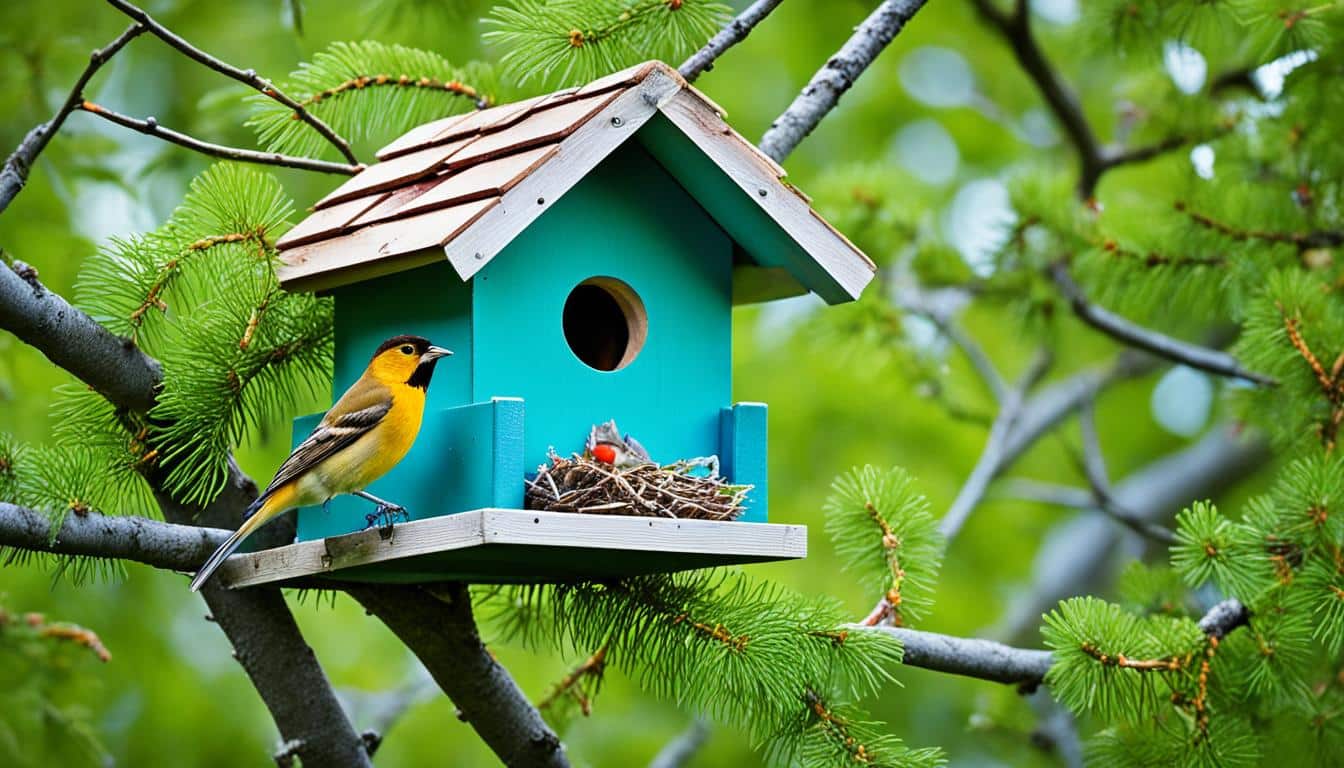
(488, 179)
(544, 127)
(394, 172)
(328, 221)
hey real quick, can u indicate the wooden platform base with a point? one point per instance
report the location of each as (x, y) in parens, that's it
(517, 546)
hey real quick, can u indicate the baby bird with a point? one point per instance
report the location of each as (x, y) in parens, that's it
(364, 435)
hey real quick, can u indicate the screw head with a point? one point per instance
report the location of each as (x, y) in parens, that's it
(478, 255)
(762, 192)
(617, 122)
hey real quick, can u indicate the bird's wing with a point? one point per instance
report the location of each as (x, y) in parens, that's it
(358, 411)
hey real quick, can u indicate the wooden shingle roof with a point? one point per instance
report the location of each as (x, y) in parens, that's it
(466, 185)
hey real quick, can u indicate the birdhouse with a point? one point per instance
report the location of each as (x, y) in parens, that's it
(581, 253)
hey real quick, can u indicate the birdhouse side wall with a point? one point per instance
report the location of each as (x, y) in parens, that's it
(628, 220)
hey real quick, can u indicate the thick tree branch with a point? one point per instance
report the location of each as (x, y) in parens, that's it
(247, 77)
(150, 127)
(266, 641)
(440, 629)
(122, 537)
(15, 172)
(1139, 337)
(736, 31)
(823, 92)
(112, 365)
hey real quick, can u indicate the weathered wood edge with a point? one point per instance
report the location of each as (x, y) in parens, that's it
(579, 153)
(514, 527)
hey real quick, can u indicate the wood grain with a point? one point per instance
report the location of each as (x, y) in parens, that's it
(521, 528)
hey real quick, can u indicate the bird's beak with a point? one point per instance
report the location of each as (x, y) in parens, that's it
(434, 353)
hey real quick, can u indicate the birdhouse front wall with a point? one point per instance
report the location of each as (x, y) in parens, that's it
(626, 221)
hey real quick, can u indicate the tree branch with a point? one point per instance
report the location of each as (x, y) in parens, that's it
(112, 365)
(122, 537)
(981, 659)
(150, 127)
(736, 31)
(681, 750)
(1077, 556)
(823, 92)
(247, 77)
(992, 458)
(440, 629)
(15, 172)
(266, 641)
(1139, 337)
(999, 663)
(1016, 30)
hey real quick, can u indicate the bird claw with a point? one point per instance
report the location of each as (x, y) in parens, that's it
(386, 516)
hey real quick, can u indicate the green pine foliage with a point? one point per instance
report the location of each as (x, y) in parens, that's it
(200, 295)
(565, 42)
(783, 667)
(44, 714)
(370, 90)
(886, 535)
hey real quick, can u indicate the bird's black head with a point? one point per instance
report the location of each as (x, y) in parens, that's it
(407, 358)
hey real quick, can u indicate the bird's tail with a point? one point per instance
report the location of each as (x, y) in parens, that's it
(257, 514)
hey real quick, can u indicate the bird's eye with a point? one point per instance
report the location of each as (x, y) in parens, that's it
(407, 349)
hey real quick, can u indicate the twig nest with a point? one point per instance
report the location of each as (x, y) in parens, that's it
(584, 485)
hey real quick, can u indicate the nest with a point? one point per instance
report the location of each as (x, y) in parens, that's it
(580, 484)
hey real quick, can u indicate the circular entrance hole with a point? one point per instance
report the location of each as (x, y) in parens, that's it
(605, 323)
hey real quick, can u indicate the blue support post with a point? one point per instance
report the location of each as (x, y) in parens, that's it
(742, 455)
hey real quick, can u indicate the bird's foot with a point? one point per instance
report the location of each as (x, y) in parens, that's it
(385, 517)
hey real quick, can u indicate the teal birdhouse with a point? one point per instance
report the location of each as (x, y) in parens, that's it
(581, 253)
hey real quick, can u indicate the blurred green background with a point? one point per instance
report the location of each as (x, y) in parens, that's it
(944, 113)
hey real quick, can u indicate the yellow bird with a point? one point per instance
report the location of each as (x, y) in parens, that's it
(364, 435)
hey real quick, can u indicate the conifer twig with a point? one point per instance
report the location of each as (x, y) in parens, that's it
(1148, 340)
(735, 32)
(150, 127)
(248, 77)
(823, 92)
(15, 172)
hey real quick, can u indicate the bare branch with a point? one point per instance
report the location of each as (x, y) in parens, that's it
(1224, 617)
(982, 659)
(112, 365)
(1139, 337)
(823, 92)
(247, 77)
(938, 308)
(681, 750)
(1077, 557)
(15, 172)
(121, 537)
(1117, 158)
(440, 629)
(1026, 668)
(1063, 103)
(150, 127)
(736, 31)
(992, 458)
